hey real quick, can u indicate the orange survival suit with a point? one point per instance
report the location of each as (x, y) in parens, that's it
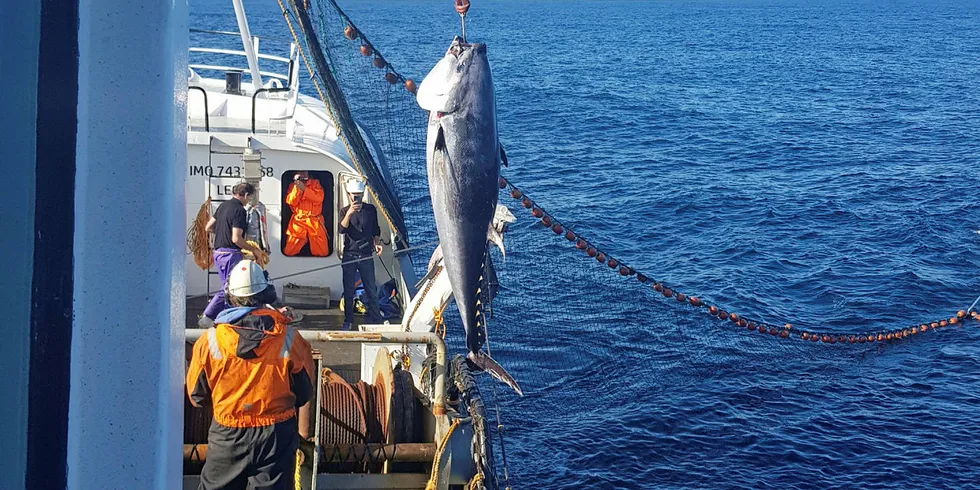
(256, 371)
(307, 221)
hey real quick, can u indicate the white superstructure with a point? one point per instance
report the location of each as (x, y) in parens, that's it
(292, 132)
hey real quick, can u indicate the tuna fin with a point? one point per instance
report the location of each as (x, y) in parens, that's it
(503, 155)
(440, 144)
(498, 225)
(486, 363)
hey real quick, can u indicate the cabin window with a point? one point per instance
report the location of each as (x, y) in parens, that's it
(307, 213)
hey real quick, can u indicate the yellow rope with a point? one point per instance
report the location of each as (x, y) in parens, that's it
(434, 475)
(261, 258)
(476, 482)
(298, 474)
(440, 325)
(333, 118)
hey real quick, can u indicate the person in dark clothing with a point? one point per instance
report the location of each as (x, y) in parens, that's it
(256, 371)
(362, 240)
(230, 221)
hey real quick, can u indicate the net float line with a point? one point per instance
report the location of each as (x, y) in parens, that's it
(368, 49)
(735, 320)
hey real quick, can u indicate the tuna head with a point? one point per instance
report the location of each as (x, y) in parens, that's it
(463, 158)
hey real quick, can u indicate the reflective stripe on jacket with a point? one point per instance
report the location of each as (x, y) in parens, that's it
(254, 370)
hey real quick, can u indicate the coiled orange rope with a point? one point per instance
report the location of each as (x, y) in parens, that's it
(198, 240)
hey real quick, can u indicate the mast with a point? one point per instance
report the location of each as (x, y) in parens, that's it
(253, 60)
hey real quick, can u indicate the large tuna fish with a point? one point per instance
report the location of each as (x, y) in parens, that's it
(463, 158)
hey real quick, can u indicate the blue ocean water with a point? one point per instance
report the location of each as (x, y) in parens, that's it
(812, 162)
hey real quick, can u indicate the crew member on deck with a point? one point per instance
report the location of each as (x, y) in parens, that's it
(305, 198)
(229, 224)
(256, 371)
(362, 239)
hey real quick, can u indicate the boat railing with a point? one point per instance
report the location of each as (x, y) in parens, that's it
(214, 51)
(221, 59)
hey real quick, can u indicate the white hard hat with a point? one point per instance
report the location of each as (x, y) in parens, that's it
(246, 279)
(355, 187)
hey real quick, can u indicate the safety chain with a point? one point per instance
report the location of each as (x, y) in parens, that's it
(352, 33)
(786, 331)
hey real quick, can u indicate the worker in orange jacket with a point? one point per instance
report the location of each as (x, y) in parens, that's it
(305, 198)
(256, 371)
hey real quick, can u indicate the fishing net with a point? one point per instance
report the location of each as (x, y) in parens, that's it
(568, 300)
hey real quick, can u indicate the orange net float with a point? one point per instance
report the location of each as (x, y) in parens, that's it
(680, 297)
(625, 271)
(733, 317)
(557, 229)
(741, 322)
(601, 257)
(379, 62)
(773, 331)
(783, 334)
(612, 263)
(842, 338)
(581, 244)
(391, 78)
(694, 301)
(889, 336)
(569, 235)
(502, 183)
(861, 339)
(641, 277)
(667, 292)
(723, 314)
(923, 327)
(953, 321)
(814, 337)
(934, 325)
(527, 203)
(825, 339)
(367, 50)
(546, 220)
(943, 323)
(591, 252)
(960, 314)
(711, 309)
(537, 212)
(871, 338)
(410, 86)
(516, 194)
(350, 33)
(750, 326)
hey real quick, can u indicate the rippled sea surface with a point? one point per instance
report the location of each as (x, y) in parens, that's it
(814, 162)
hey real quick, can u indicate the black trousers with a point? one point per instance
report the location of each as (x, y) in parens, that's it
(252, 458)
(366, 268)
